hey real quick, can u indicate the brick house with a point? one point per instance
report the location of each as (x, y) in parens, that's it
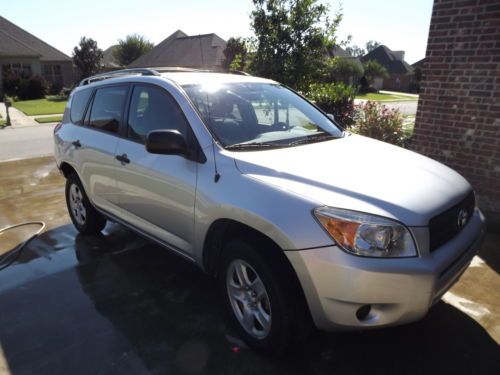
(197, 51)
(400, 72)
(22, 52)
(458, 117)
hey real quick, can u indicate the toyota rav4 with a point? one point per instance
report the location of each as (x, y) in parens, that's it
(301, 222)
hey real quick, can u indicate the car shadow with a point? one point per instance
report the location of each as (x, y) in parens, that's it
(120, 304)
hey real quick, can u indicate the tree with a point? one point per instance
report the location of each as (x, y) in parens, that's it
(355, 51)
(339, 69)
(371, 45)
(374, 70)
(131, 48)
(294, 38)
(235, 54)
(87, 57)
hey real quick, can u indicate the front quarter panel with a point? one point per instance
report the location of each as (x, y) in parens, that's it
(281, 215)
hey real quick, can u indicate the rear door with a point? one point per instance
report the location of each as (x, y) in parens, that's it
(96, 142)
(156, 192)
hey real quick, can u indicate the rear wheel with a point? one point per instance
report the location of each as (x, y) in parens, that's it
(262, 298)
(84, 216)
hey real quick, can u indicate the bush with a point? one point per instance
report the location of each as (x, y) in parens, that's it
(334, 98)
(25, 88)
(377, 121)
(55, 89)
(339, 69)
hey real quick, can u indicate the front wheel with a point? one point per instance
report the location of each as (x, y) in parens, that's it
(262, 298)
(84, 216)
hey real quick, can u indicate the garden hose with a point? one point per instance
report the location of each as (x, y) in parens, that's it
(13, 254)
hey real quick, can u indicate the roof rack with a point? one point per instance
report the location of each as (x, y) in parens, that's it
(156, 71)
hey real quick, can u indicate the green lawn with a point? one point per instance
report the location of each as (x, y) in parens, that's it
(381, 97)
(44, 120)
(40, 106)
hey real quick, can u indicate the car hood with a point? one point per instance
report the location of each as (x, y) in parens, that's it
(360, 174)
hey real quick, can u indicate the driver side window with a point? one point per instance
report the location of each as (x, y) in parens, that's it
(151, 108)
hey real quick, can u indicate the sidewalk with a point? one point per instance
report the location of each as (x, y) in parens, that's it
(19, 119)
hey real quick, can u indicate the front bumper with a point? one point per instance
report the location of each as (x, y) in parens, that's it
(336, 284)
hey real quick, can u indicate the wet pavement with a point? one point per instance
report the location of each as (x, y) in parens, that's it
(118, 304)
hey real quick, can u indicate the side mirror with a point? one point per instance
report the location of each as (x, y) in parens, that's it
(330, 116)
(166, 142)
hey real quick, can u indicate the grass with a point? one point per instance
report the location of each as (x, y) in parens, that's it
(376, 96)
(41, 106)
(44, 120)
(3, 122)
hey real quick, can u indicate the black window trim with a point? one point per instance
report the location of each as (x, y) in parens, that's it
(196, 152)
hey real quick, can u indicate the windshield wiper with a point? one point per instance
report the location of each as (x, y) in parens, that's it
(243, 146)
(312, 139)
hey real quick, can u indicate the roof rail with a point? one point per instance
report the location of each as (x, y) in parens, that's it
(147, 72)
(118, 73)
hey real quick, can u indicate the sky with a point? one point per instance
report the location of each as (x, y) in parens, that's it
(399, 24)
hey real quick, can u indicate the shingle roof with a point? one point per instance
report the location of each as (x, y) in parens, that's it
(108, 59)
(19, 42)
(180, 49)
(338, 51)
(385, 57)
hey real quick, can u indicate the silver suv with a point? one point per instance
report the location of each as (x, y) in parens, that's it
(301, 222)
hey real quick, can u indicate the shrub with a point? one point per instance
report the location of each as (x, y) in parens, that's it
(55, 89)
(34, 87)
(339, 69)
(334, 98)
(380, 122)
(25, 88)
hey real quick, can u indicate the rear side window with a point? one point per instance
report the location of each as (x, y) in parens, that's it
(78, 105)
(152, 108)
(107, 108)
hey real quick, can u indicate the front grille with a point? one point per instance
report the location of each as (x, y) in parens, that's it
(445, 226)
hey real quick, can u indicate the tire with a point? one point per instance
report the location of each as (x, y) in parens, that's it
(284, 304)
(84, 216)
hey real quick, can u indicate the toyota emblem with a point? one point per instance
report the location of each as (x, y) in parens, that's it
(462, 218)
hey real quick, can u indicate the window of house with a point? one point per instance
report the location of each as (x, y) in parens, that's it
(17, 68)
(152, 108)
(52, 73)
(107, 108)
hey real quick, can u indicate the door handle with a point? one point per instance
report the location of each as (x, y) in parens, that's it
(76, 143)
(123, 158)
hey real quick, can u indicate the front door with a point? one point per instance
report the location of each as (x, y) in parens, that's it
(156, 192)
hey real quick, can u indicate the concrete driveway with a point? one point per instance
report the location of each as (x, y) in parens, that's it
(117, 304)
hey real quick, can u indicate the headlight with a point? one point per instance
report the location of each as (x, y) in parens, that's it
(366, 235)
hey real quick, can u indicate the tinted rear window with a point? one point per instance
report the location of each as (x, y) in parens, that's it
(78, 105)
(107, 108)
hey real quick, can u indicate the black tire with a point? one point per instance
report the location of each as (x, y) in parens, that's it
(291, 323)
(93, 222)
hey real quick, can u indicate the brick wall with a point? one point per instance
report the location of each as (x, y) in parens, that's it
(458, 117)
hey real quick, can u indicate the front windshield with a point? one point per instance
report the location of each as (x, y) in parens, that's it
(248, 115)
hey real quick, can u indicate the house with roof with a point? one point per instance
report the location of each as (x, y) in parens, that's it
(400, 72)
(109, 61)
(198, 51)
(23, 53)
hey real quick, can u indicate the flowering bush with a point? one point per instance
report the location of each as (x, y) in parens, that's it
(377, 121)
(334, 98)
(25, 87)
